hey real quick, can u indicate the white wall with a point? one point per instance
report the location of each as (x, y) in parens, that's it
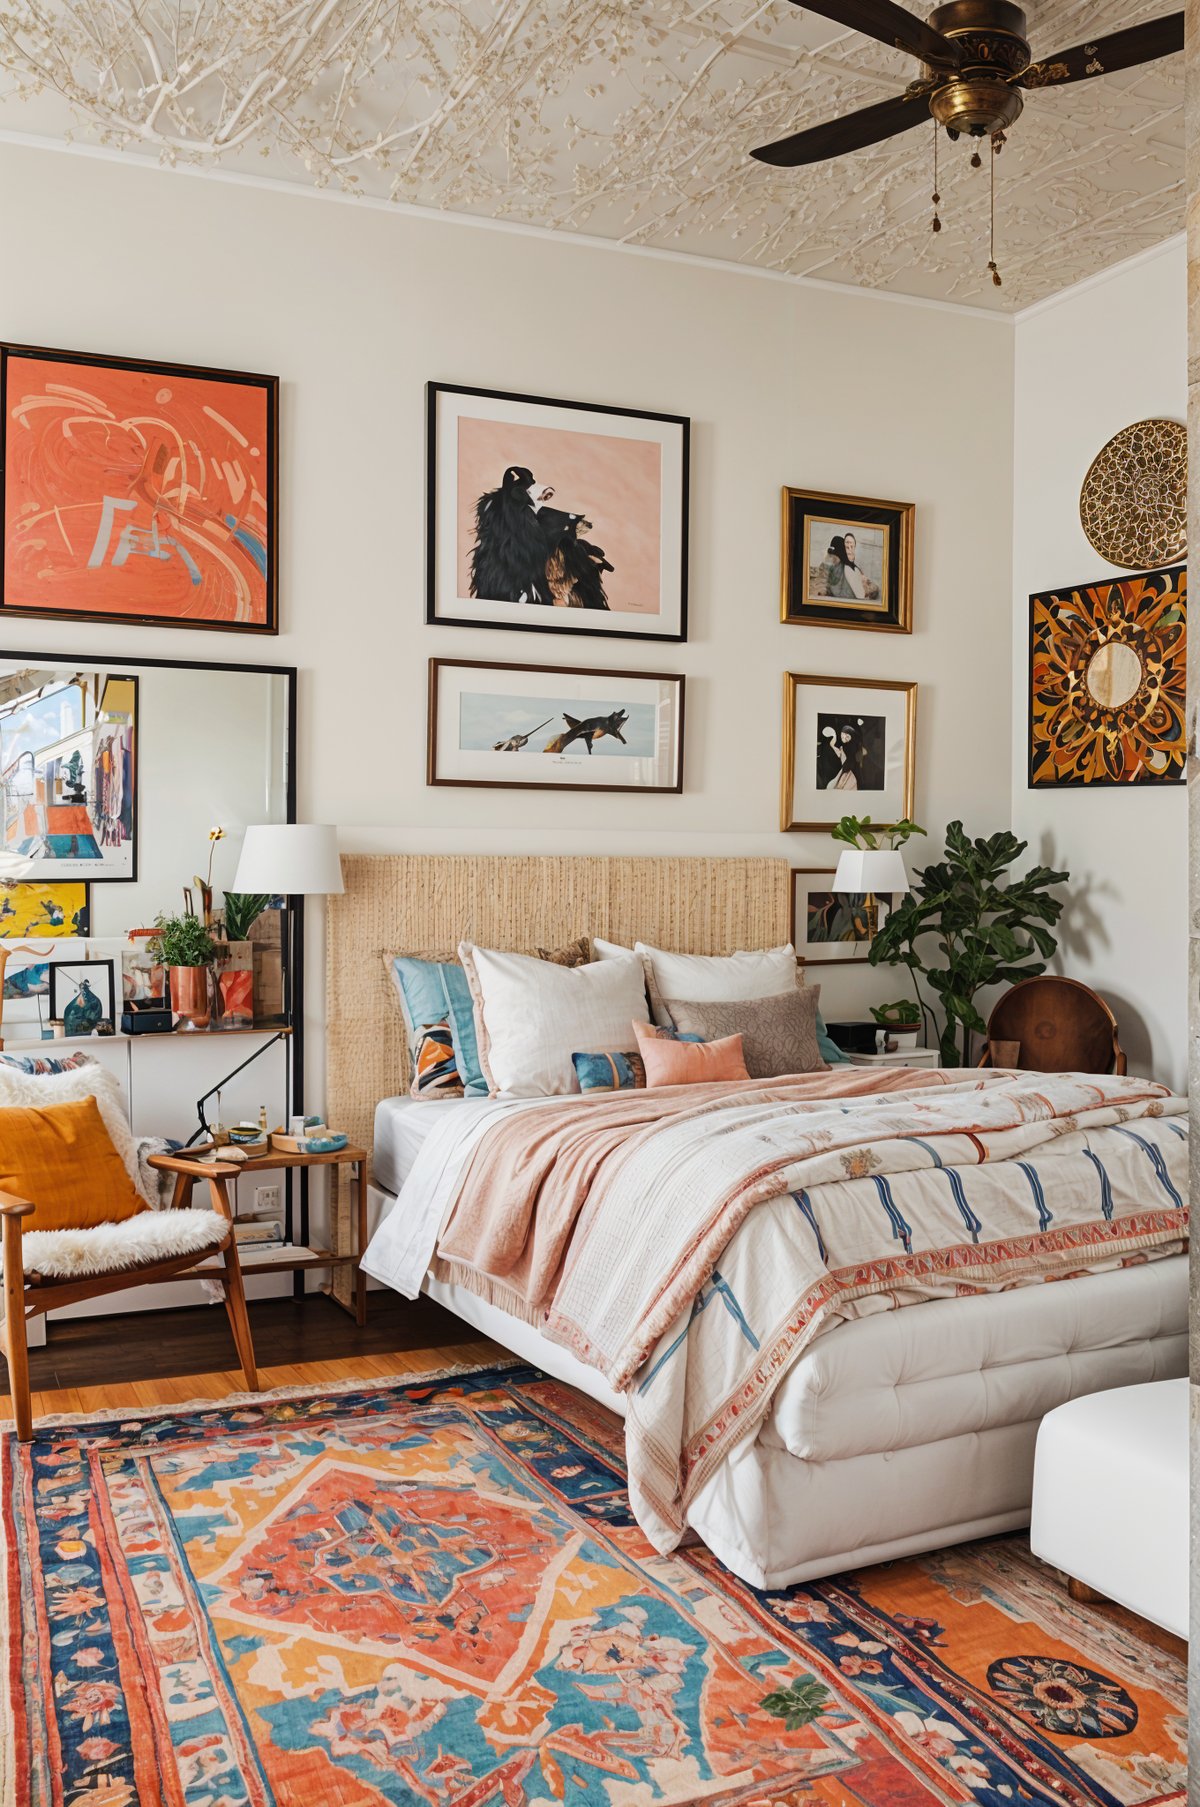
(356, 307)
(1087, 364)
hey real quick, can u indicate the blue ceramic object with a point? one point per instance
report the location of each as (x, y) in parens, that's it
(83, 1012)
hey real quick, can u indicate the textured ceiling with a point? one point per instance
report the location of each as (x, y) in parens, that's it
(629, 120)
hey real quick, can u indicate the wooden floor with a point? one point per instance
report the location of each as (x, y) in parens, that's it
(167, 1358)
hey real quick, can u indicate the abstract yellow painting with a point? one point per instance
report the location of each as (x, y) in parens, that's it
(29, 909)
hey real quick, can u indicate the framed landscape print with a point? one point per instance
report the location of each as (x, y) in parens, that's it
(1108, 682)
(43, 910)
(550, 728)
(555, 515)
(832, 928)
(69, 772)
(847, 561)
(138, 491)
(849, 748)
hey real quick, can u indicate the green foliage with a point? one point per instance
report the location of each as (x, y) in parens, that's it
(182, 941)
(799, 1704)
(987, 932)
(242, 911)
(905, 1012)
(860, 831)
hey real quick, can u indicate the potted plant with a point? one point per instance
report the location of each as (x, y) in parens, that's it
(987, 929)
(186, 948)
(901, 1021)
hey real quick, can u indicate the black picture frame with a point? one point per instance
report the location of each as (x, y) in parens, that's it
(537, 624)
(59, 970)
(270, 488)
(892, 613)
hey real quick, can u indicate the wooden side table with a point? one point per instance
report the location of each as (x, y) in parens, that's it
(284, 1259)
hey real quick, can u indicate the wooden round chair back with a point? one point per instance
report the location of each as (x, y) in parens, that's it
(1059, 1026)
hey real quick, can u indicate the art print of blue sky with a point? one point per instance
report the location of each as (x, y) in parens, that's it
(488, 722)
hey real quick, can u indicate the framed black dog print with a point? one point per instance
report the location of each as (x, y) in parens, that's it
(555, 516)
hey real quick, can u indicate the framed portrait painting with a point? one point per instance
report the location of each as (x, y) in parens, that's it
(558, 516)
(849, 748)
(551, 728)
(833, 928)
(1108, 682)
(847, 561)
(69, 772)
(138, 492)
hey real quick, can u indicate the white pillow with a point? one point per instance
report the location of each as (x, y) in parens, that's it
(531, 1016)
(710, 978)
(41, 1090)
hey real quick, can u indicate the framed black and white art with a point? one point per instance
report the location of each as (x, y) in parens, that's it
(849, 748)
(564, 517)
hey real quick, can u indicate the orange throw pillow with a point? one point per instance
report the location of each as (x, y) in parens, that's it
(63, 1161)
(688, 1063)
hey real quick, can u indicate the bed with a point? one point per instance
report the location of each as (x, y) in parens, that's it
(892, 1432)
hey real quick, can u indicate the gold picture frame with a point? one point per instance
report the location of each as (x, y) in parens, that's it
(863, 750)
(820, 587)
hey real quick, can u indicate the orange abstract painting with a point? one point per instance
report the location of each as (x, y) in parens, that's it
(138, 492)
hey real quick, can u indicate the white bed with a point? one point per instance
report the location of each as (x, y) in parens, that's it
(948, 1394)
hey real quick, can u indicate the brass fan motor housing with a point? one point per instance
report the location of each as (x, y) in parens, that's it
(981, 96)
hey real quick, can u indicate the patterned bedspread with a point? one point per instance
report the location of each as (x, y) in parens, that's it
(690, 1243)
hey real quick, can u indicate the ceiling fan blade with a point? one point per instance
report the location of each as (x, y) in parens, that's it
(1103, 56)
(870, 125)
(891, 24)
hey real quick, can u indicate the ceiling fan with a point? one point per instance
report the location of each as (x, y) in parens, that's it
(977, 62)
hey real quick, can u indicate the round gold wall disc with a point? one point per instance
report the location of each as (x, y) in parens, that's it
(1133, 504)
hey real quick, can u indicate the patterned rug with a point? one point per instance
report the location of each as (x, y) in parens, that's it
(434, 1593)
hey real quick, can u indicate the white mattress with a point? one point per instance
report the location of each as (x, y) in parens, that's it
(401, 1126)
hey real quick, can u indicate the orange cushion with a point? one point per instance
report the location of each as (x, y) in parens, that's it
(63, 1161)
(688, 1063)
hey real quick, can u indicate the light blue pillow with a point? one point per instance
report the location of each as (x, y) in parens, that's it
(829, 1048)
(434, 991)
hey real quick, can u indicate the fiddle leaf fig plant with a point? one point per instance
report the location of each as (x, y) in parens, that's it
(985, 929)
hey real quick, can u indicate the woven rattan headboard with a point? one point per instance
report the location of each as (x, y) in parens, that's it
(425, 903)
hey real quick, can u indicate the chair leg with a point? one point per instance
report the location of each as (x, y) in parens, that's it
(239, 1320)
(16, 1348)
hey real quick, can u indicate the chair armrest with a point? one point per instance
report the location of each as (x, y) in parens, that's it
(12, 1206)
(198, 1170)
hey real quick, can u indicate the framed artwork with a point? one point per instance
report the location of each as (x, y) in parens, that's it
(142, 977)
(27, 909)
(559, 516)
(69, 771)
(847, 561)
(138, 491)
(83, 996)
(551, 728)
(832, 928)
(1108, 682)
(849, 747)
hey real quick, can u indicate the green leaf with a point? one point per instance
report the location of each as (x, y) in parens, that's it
(798, 1705)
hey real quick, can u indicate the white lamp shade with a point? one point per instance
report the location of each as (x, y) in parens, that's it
(879, 870)
(290, 859)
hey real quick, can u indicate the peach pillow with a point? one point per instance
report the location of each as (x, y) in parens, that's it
(688, 1063)
(63, 1161)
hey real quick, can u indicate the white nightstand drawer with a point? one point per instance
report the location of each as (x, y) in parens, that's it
(903, 1057)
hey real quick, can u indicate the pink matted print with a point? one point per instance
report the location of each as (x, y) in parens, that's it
(615, 484)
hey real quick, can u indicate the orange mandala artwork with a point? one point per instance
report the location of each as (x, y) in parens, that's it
(1107, 682)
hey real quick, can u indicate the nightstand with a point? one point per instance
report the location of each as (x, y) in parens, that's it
(903, 1057)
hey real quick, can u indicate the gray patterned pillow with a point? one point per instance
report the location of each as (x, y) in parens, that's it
(779, 1035)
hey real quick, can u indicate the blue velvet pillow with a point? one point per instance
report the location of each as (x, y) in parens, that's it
(829, 1048)
(436, 991)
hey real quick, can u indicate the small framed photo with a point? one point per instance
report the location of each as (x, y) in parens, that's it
(83, 996)
(833, 928)
(849, 748)
(552, 728)
(847, 561)
(564, 517)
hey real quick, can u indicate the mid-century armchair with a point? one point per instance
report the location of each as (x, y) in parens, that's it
(44, 1270)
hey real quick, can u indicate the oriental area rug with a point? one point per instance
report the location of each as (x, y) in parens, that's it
(433, 1592)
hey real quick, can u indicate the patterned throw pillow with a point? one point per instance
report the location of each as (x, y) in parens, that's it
(37, 1064)
(576, 953)
(435, 1070)
(621, 1072)
(779, 1035)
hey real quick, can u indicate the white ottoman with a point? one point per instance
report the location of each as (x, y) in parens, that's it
(1110, 1497)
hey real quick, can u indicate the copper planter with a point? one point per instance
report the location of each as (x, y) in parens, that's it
(190, 996)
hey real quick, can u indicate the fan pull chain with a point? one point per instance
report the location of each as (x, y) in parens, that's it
(997, 147)
(937, 199)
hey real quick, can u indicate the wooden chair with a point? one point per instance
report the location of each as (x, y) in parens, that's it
(27, 1293)
(1059, 1026)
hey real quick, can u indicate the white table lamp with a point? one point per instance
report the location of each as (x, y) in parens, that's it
(290, 859)
(873, 872)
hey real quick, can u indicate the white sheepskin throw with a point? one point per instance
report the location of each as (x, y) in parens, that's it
(38, 1091)
(108, 1248)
